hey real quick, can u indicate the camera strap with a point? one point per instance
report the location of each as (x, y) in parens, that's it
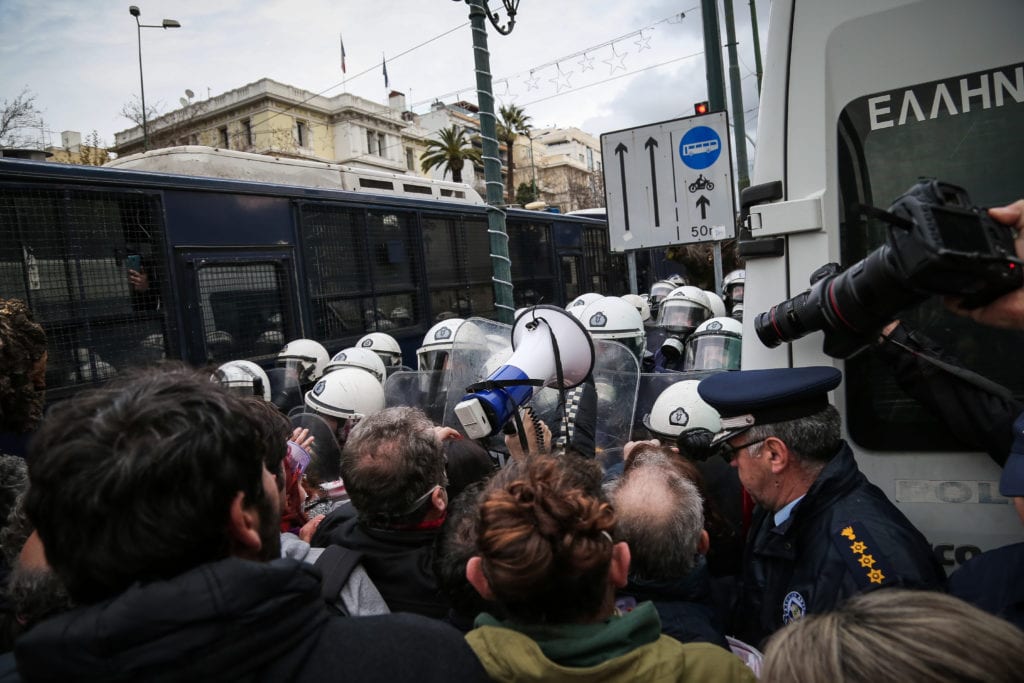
(882, 215)
(964, 374)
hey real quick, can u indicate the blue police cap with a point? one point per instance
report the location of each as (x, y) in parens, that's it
(750, 397)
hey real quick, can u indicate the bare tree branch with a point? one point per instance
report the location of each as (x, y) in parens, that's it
(16, 114)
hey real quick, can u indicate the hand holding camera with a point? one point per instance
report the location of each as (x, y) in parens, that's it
(1008, 310)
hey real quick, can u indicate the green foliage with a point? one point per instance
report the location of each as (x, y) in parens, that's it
(526, 193)
(514, 122)
(450, 152)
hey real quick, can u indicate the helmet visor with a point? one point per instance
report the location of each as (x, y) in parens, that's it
(712, 352)
(433, 360)
(681, 316)
(734, 292)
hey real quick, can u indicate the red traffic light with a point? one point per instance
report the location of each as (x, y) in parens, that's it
(700, 108)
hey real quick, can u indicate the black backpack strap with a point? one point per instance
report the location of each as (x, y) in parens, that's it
(336, 564)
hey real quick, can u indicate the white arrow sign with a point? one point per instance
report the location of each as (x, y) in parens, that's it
(669, 183)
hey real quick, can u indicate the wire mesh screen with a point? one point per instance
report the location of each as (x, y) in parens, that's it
(68, 254)
(243, 310)
(458, 263)
(531, 251)
(608, 272)
(361, 271)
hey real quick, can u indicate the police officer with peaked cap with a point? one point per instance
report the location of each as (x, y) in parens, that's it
(821, 531)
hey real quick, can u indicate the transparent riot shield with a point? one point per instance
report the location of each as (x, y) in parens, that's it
(481, 346)
(325, 451)
(285, 392)
(424, 390)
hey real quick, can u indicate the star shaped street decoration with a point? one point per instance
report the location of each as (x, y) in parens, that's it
(532, 83)
(642, 43)
(616, 57)
(586, 63)
(508, 94)
(561, 80)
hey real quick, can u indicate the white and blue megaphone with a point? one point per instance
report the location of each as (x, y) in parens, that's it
(551, 349)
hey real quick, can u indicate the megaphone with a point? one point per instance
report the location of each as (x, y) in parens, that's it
(543, 338)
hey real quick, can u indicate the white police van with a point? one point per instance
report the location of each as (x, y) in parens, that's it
(859, 100)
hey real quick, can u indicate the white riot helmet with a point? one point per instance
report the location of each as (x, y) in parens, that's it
(732, 286)
(737, 311)
(346, 393)
(385, 346)
(307, 357)
(355, 357)
(660, 290)
(243, 377)
(676, 279)
(400, 316)
(717, 305)
(580, 303)
(680, 416)
(612, 317)
(715, 345)
(683, 310)
(640, 304)
(437, 345)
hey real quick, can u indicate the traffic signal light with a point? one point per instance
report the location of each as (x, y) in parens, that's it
(700, 108)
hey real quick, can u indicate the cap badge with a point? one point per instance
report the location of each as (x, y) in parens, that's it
(714, 325)
(598, 320)
(319, 388)
(443, 333)
(341, 356)
(367, 343)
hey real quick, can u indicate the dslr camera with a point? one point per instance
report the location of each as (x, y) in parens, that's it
(938, 243)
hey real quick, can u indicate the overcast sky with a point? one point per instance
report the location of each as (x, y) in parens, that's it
(601, 65)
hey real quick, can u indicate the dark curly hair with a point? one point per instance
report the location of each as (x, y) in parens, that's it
(22, 344)
(544, 537)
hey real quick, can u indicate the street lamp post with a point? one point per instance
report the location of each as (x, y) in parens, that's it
(479, 13)
(167, 23)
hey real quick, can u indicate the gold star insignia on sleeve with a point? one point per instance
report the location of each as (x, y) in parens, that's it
(876, 576)
(848, 532)
(858, 547)
(867, 561)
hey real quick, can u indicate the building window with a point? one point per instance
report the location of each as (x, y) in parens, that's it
(590, 159)
(381, 144)
(410, 159)
(371, 142)
(247, 133)
(222, 133)
(302, 134)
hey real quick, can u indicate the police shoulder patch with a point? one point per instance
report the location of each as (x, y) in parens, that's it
(794, 607)
(863, 557)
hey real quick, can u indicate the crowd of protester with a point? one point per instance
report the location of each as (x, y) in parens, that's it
(164, 526)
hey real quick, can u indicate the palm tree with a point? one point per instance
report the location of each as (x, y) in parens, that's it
(450, 152)
(514, 122)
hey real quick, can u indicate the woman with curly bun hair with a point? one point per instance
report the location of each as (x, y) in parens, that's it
(22, 375)
(547, 557)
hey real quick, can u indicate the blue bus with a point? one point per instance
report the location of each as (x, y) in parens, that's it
(234, 269)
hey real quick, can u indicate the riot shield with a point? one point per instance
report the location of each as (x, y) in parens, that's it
(481, 346)
(285, 392)
(422, 390)
(595, 418)
(325, 452)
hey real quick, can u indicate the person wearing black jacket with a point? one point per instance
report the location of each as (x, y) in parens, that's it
(394, 471)
(157, 506)
(821, 531)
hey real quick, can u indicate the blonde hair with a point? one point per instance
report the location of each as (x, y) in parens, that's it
(897, 635)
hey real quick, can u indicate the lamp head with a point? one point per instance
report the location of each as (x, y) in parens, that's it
(134, 11)
(171, 23)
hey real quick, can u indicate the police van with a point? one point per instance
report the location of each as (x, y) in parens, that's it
(859, 100)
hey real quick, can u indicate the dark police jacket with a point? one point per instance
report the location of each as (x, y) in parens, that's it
(241, 621)
(844, 537)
